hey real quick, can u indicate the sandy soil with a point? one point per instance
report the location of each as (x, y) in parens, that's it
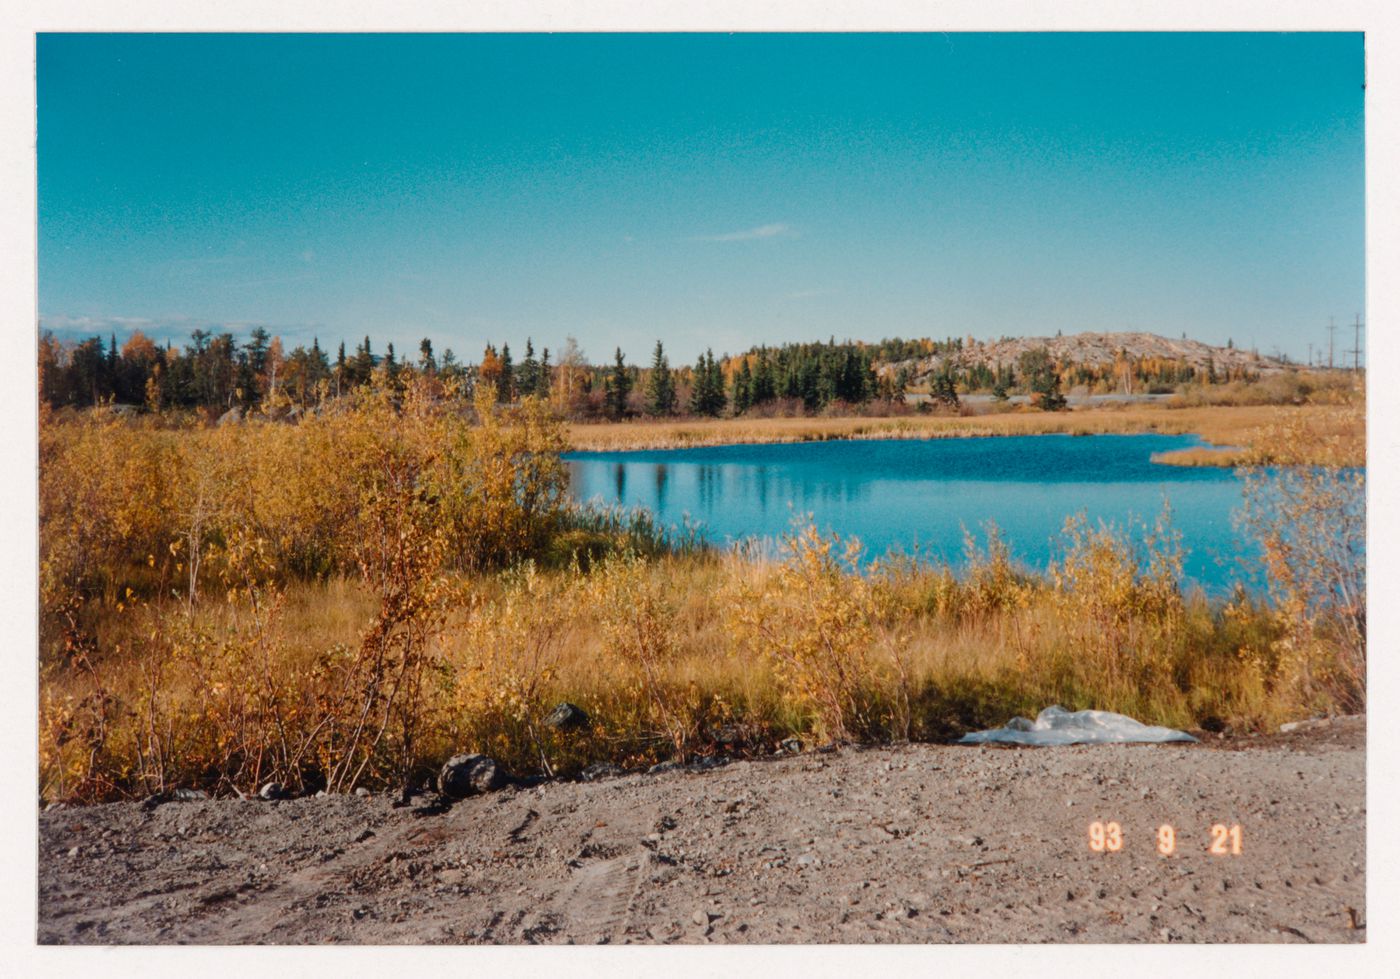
(917, 843)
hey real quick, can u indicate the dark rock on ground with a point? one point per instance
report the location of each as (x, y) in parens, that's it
(567, 717)
(468, 775)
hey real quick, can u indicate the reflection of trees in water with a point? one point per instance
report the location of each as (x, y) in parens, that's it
(663, 476)
(707, 481)
(799, 489)
(620, 481)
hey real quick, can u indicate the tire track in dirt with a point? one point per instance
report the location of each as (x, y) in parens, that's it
(290, 902)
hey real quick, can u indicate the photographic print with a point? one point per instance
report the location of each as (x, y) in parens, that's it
(701, 488)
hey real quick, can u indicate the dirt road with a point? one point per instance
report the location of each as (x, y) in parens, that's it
(917, 843)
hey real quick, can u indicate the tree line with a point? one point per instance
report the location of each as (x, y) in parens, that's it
(218, 371)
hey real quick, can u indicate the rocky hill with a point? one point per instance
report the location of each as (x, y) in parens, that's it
(1095, 349)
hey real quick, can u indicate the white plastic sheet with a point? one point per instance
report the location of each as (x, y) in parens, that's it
(1055, 725)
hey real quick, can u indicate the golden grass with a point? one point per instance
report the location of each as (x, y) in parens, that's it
(1221, 425)
(1208, 456)
(940, 655)
(350, 627)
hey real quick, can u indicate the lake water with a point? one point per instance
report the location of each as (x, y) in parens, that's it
(919, 495)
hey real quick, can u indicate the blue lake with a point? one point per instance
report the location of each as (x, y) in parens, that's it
(918, 496)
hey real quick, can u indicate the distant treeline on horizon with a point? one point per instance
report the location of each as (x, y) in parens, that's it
(218, 372)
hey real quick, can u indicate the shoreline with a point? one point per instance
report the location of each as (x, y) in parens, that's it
(1229, 433)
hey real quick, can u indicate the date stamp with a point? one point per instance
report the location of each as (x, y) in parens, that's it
(1108, 836)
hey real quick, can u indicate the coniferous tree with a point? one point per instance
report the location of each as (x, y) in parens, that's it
(1043, 379)
(1051, 397)
(708, 397)
(362, 364)
(426, 361)
(944, 389)
(743, 388)
(542, 382)
(661, 386)
(617, 386)
(764, 385)
(450, 369)
(505, 381)
(527, 374)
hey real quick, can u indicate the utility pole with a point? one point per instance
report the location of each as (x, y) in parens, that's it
(1310, 363)
(1355, 350)
(1331, 340)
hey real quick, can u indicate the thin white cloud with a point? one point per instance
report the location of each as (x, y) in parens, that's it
(752, 234)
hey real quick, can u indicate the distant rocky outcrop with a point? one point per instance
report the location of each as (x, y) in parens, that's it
(1094, 349)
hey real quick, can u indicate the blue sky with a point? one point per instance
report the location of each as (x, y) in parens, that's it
(707, 190)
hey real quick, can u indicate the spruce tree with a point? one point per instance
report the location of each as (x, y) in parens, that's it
(617, 386)
(661, 386)
(527, 376)
(708, 397)
(743, 389)
(944, 390)
(505, 381)
(765, 388)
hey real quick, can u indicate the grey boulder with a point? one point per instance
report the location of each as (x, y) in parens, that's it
(466, 775)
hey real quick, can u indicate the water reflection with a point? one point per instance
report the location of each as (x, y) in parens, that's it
(662, 475)
(920, 495)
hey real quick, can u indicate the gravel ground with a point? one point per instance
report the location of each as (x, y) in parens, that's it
(916, 843)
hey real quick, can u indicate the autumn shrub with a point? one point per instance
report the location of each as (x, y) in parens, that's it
(400, 489)
(1309, 520)
(1119, 599)
(810, 618)
(1292, 387)
(352, 598)
(638, 618)
(503, 663)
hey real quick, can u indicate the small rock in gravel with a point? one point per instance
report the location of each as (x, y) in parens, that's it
(791, 746)
(272, 791)
(76, 851)
(599, 770)
(362, 835)
(189, 795)
(466, 775)
(362, 792)
(660, 767)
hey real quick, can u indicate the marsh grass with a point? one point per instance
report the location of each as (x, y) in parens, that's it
(664, 653)
(1224, 425)
(400, 581)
